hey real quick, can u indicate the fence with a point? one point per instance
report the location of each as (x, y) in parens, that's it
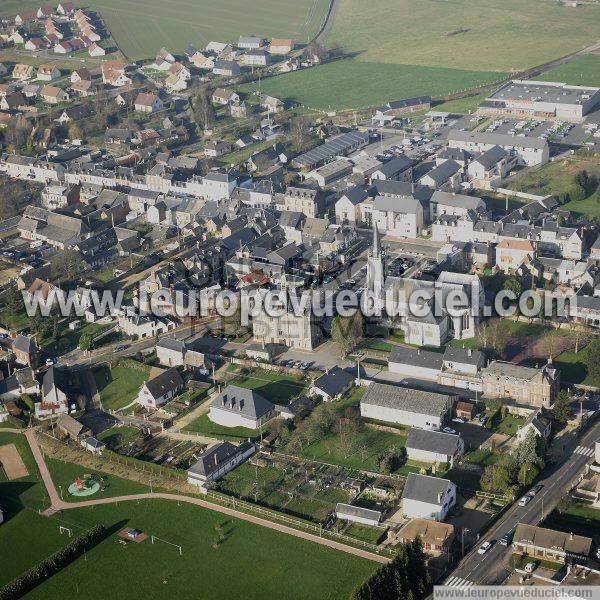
(294, 523)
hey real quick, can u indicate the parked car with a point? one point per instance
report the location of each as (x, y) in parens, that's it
(485, 547)
(530, 567)
(535, 489)
(449, 430)
(525, 500)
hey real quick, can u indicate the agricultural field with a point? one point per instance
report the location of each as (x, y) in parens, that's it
(211, 543)
(140, 31)
(400, 48)
(119, 384)
(584, 70)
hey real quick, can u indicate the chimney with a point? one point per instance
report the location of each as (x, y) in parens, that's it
(470, 352)
(440, 496)
(216, 458)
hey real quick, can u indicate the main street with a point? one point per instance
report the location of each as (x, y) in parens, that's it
(492, 567)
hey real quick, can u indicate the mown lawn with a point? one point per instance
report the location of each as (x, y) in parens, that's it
(325, 573)
(373, 441)
(274, 386)
(119, 384)
(65, 473)
(573, 367)
(204, 426)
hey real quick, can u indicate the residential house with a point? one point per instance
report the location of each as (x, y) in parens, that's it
(512, 254)
(434, 446)
(406, 406)
(538, 422)
(22, 72)
(240, 407)
(550, 545)
(47, 73)
(224, 97)
(218, 460)
(227, 68)
(525, 385)
(113, 73)
(333, 384)
(96, 50)
(54, 398)
(147, 103)
(436, 537)
(160, 389)
(281, 46)
(25, 350)
(427, 497)
(53, 95)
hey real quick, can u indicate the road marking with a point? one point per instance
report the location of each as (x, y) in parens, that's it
(584, 451)
(458, 582)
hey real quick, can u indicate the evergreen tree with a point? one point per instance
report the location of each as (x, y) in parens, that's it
(561, 410)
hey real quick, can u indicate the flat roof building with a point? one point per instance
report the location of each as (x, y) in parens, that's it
(543, 99)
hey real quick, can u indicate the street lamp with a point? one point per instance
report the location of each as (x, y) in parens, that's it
(462, 539)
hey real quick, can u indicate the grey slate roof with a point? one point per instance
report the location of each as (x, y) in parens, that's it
(407, 399)
(356, 511)
(171, 344)
(491, 157)
(242, 401)
(416, 357)
(433, 441)
(214, 457)
(425, 488)
(395, 165)
(443, 172)
(465, 356)
(335, 381)
(165, 382)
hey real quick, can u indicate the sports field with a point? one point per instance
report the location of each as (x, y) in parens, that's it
(222, 558)
(141, 28)
(401, 48)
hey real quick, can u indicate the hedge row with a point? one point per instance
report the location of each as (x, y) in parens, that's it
(26, 582)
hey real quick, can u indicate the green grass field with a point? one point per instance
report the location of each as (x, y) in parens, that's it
(353, 83)
(329, 450)
(140, 29)
(403, 48)
(556, 178)
(584, 70)
(251, 562)
(119, 385)
(204, 426)
(274, 386)
(65, 473)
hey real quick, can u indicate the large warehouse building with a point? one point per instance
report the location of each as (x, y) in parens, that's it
(542, 99)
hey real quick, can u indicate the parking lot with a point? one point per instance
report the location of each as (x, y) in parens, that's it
(569, 134)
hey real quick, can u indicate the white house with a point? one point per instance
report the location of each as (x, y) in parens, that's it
(240, 407)
(427, 497)
(216, 461)
(434, 446)
(536, 422)
(160, 389)
(406, 406)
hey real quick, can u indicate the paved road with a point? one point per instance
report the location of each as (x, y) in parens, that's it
(58, 504)
(492, 568)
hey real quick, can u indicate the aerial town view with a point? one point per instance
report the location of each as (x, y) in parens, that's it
(300, 299)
